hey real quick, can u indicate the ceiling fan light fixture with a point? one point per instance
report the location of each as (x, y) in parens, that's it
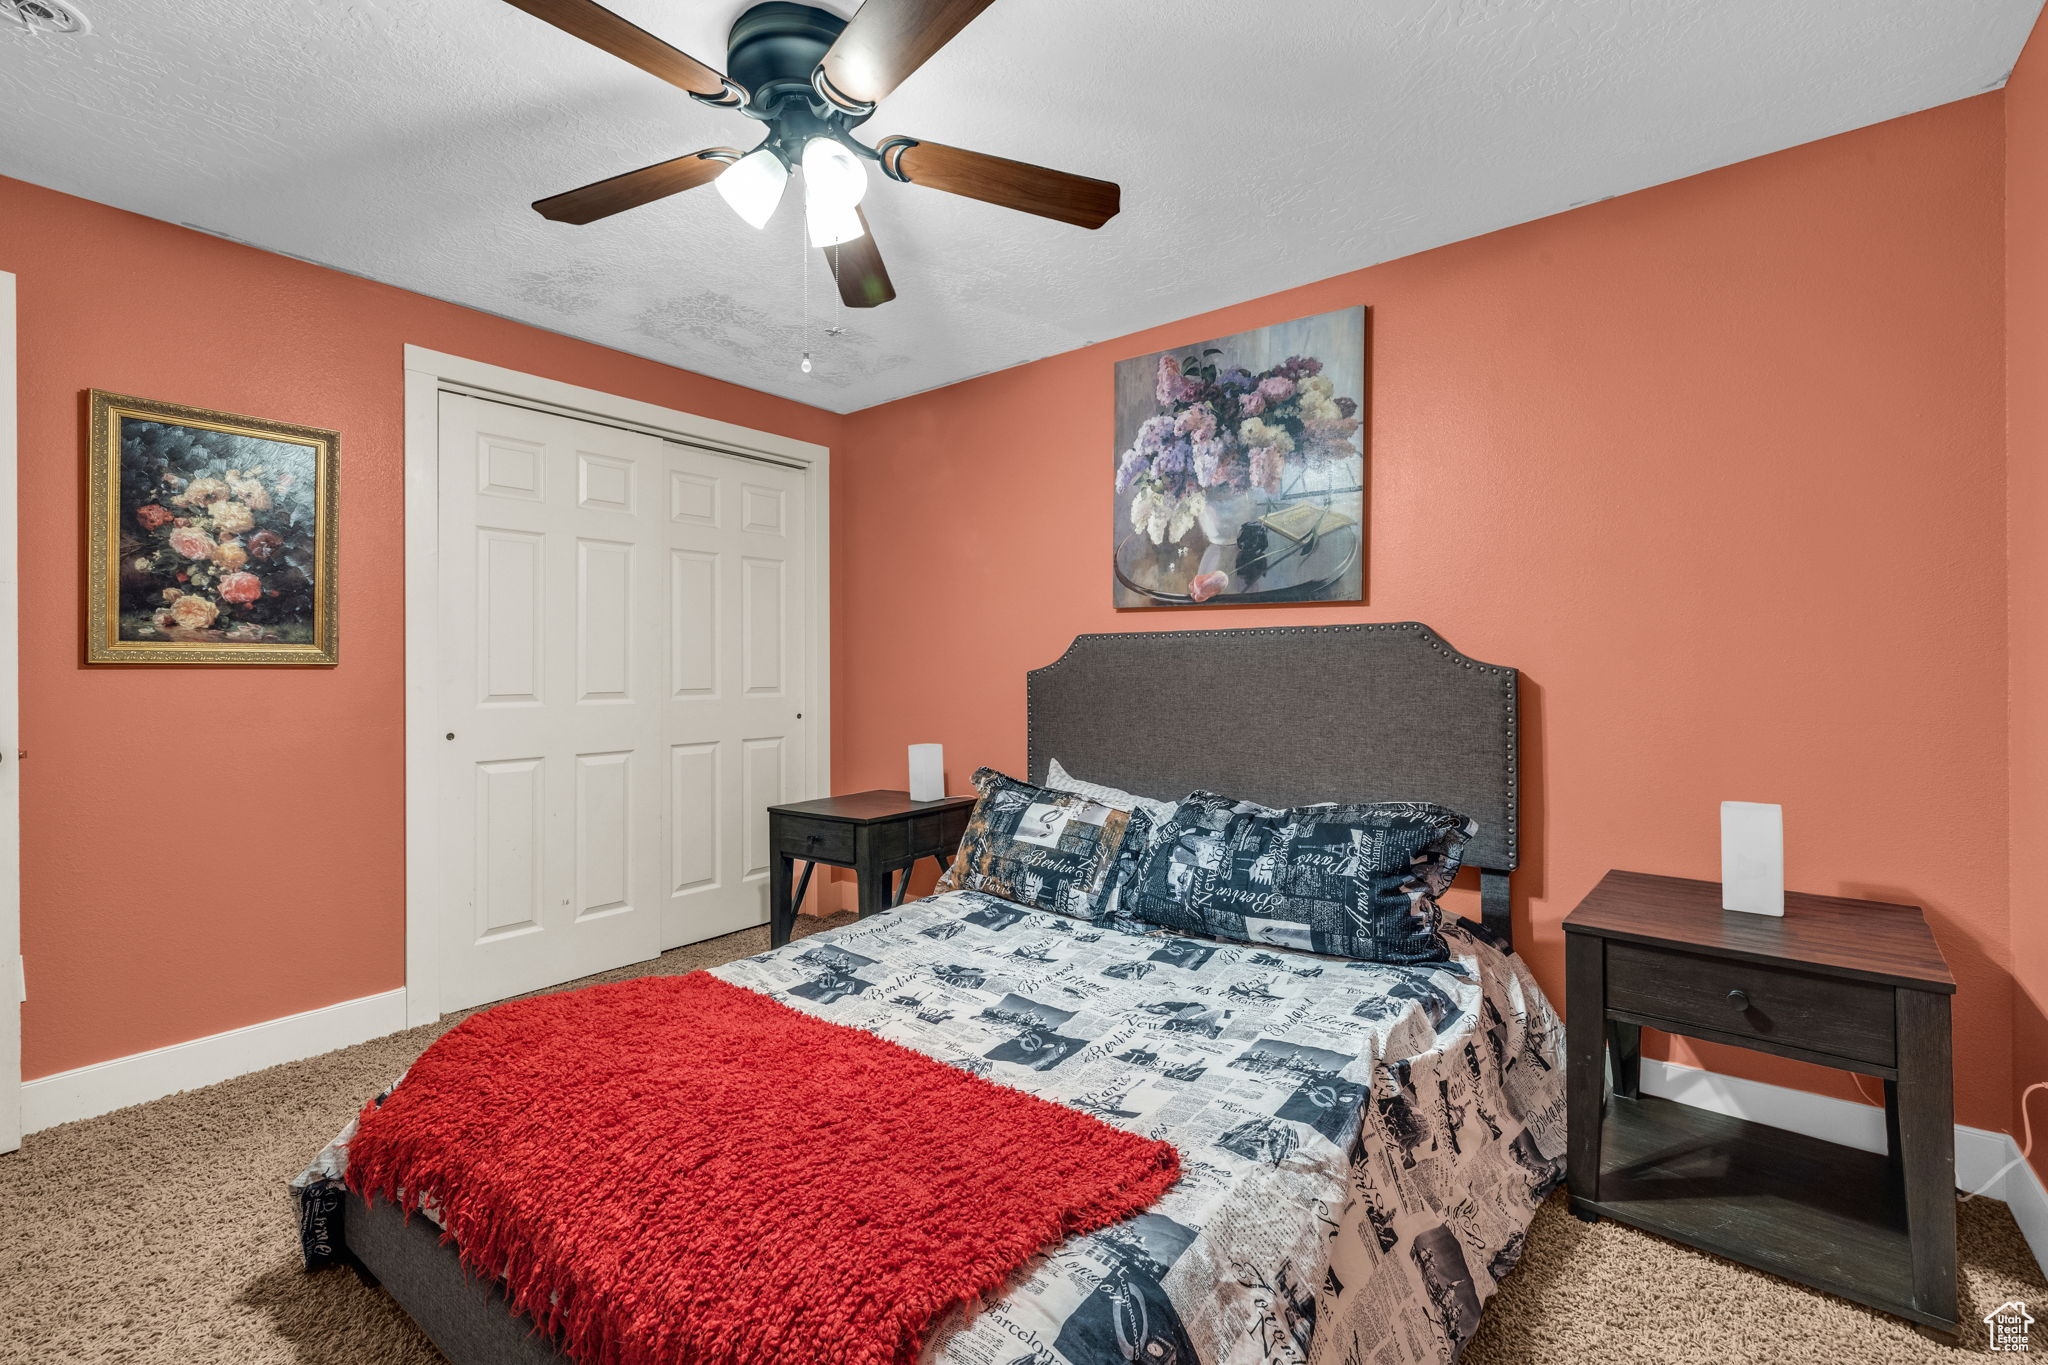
(753, 185)
(831, 224)
(833, 173)
(811, 77)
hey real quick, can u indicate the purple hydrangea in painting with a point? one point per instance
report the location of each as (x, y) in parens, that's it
(1241, 431)
(1240, 467)
(218, 536)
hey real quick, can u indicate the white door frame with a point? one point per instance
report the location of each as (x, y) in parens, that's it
(427, 373)
(13, 982)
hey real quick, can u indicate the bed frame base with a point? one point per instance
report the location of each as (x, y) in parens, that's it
(470, 1319)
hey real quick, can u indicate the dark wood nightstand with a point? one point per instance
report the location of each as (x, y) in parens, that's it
(1858, 985)
(875, 833)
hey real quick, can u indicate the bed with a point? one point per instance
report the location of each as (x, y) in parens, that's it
(1363, 1145)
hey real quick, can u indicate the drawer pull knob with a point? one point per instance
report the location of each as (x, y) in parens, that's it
(1739, 999)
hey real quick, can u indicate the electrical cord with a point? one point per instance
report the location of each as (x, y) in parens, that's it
(2026, 1133)
(2026, 1142)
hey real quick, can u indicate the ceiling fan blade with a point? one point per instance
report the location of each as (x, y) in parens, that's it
(599, 27)
(857, 265)
(885, 41)
(603, 198)
(1013, 184)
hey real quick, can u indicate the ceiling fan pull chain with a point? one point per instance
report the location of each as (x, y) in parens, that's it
(803, 261)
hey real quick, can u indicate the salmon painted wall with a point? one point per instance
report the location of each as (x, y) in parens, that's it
(1718, 465)
(208, 848)
(2026, 323)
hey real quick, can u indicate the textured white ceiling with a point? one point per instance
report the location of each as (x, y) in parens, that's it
(1261, 144)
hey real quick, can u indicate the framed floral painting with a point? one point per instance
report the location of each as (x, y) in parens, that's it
(213, 537)
(1240, 468)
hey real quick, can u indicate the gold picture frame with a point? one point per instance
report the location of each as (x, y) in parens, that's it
(234, 517)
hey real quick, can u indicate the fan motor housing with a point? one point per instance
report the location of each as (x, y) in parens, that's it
(779, 44)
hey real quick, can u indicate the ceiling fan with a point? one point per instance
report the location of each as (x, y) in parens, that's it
(812, 78)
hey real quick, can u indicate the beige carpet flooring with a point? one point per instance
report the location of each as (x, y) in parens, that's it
(163, 1234)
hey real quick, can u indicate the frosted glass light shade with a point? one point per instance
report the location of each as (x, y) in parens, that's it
(927, 772)
(831, 224)
(833, 174)
(1753, 857)
(753, 185)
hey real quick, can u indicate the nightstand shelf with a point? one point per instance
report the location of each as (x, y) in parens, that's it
(1856, 985)
(1825, 1215)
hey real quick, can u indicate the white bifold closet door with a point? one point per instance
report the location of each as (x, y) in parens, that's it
(624, 631)
(739, 610)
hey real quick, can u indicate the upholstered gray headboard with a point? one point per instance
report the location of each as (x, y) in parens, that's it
(1287, 715)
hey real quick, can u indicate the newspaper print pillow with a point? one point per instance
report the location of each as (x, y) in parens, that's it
(1050, 850)
(1357, 881)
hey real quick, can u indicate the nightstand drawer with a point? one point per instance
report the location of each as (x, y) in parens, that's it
(1828, 1014)
(939, 832)
(921, 836)
(828, 841)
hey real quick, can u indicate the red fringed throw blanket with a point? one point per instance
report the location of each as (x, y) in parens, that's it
(675, 1169)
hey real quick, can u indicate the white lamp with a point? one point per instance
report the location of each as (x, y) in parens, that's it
(833, 173)
(831, 224)
(1753, 857)
(927, 772)
(753, 185)
(834, 184)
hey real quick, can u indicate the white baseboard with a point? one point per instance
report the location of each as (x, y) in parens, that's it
(1979, 1152)
(106, 1086)
(2028, 1200)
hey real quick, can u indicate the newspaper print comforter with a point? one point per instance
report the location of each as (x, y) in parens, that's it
(1362, 1145)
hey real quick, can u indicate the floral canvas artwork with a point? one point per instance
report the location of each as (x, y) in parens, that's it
(213, 537)
(1240, 468)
